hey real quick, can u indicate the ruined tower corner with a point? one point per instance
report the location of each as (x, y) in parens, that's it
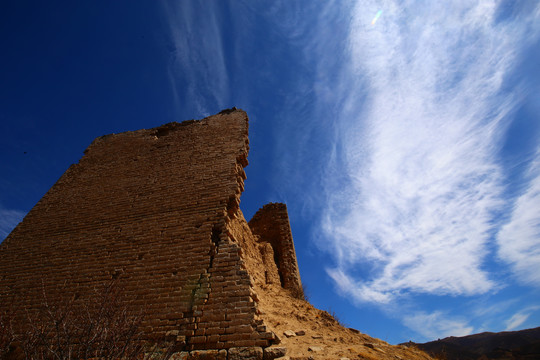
(272, 228)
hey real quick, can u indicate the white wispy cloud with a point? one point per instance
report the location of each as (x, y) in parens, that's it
(197, 70)
(490, 309)
(519, 239)
(519, 318)
(9, 218)
(421, 160)
(437, 325)
(516, 320)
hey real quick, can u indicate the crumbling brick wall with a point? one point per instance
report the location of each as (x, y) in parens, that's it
(153, 209)
(271, 224)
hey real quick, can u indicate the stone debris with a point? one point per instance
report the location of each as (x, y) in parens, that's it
(315, 348)
(207, 355)
(200, 355)
(300, 333)
(238, 353)
(246, 353)
(316, 336)
(289, 333)
(271, 353)
(183, 355)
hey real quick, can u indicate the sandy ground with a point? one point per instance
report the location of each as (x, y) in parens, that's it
(317, 335)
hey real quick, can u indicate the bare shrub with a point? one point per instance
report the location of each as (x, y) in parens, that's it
(297, 293)
(70, 327)
(6, 334)
(331, 317)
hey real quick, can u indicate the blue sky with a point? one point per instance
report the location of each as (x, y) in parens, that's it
(406, 148)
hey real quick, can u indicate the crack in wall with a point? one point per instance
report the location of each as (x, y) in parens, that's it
(199, 296)
(216, 233)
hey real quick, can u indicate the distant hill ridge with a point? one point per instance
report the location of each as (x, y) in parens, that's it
(524, 344)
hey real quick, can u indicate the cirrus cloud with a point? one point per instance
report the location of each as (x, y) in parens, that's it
(423, 178)
(437, 325)
(9, 218)
(518, 240)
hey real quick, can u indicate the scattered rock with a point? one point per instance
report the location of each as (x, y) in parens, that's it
(246, 353)
(271, 353)
(208, 355)
(316, 336)
(315, 348)
(354, 331)
(182, 355)
(344, 359)
(289, 333)
(300, 332)
(368, 345)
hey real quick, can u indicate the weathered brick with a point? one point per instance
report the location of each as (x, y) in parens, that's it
(207, 355)
(246, 353)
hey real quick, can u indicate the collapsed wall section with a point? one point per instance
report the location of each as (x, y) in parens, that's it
(150, 208)
(271, 225)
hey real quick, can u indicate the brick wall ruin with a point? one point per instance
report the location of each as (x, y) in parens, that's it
(271, 225)
(158, 210)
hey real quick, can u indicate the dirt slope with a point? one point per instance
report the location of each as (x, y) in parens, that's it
(319, 336)
(324, 337)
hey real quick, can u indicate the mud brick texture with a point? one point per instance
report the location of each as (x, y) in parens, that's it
(271, 224)
(157, 210)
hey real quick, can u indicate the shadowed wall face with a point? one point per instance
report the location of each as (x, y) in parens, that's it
(150, 208)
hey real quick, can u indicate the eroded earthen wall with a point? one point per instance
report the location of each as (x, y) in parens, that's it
(271, 225)
(153, 209)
